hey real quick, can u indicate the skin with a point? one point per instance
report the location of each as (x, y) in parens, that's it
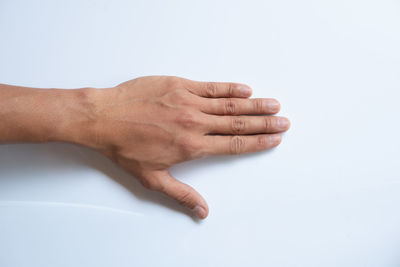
(147, 125)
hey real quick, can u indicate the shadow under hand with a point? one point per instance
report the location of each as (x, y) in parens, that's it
(105, 165)
(61, 156)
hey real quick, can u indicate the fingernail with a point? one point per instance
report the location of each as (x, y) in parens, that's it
(200, 212)
(283, 123)
(273, 106)
(244, 90)
(275, 138)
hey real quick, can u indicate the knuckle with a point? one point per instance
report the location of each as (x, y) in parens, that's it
(259, 105)
(238, 125)
(230, 107)
(173, 81)
(237, 145)
(268, 122)
(231, 89)
(179, 96)
(183, 197)
(211, 89)
(187, 120)
(190, 148)
(263, 141)
(185, 142)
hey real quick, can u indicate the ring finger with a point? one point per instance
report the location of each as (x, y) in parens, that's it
(239, 125)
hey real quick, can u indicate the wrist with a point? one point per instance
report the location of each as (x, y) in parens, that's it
(46, 115)
(77, 117)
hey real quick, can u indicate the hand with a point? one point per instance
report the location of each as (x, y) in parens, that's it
(148, 124)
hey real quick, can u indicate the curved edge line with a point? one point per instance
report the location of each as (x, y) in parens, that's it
(7, 203)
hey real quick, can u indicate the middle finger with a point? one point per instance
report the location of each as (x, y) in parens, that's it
(239, 106)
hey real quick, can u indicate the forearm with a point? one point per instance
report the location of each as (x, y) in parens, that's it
(45, 115)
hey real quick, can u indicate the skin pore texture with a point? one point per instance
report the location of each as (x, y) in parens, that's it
(147, 125)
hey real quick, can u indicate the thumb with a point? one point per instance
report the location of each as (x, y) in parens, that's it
(181, 192)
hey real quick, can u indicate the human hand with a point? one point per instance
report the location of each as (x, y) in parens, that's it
(149, 124)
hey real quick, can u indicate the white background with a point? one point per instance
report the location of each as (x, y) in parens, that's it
(329, 195)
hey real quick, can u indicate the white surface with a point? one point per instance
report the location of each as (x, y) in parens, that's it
(328, 196)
